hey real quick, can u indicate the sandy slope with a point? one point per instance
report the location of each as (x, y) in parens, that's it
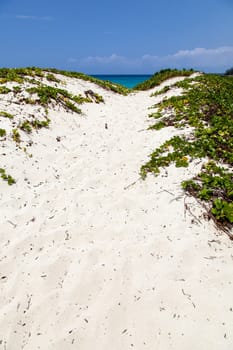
(91, 256)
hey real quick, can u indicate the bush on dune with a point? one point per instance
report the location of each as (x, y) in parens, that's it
(229, 71)
(161, 76)
(107, 85)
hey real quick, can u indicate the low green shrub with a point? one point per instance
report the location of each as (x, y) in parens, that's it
(6, 177)
(39, 124)
(107, 85)
(19, 74)
(207, 107)
(6, 115)
(161, 76)
(79, 99)
(71, 106)
(51, 77)
(4, 90)
(47, 94)
(215, 185)
(26, 126)
(16, 136)
(98, 98)
(162, 91)
(229, 71)
(161, 124)
(17, 89)
(2, 132)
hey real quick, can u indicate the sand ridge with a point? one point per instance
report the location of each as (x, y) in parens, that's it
(93, 257)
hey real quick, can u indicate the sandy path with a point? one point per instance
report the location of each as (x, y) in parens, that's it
(93, 257)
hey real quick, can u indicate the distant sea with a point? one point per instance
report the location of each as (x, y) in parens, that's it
(128, 81)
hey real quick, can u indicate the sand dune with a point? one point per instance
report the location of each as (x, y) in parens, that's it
(93, 257)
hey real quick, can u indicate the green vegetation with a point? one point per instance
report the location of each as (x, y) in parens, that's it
(16, 136)
(174, 150)
(155, 115)
(18, 74)
(28, 125)
(39, 124)
(29, 101)
(17, 89)
(161, 76)
(6, 115)
(51, 77)
(185, 84)
(6, 177)
(161, 124)
(47, 94)
(93, 96)
(98, 98)
(2, 132)
(207, 107)
(40, 94)
(4, 90)
(107, 85)
(71, 106)
(214, 184)
(79, 99)
(162, 91)
(229, 71)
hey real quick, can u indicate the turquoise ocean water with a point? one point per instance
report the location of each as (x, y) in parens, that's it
(128, 81)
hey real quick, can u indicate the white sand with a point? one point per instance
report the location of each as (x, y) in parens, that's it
(91, 256)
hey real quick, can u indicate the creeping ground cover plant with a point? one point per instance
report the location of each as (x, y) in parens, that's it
(206, 105)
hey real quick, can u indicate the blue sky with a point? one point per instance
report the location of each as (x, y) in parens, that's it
(113, 37)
